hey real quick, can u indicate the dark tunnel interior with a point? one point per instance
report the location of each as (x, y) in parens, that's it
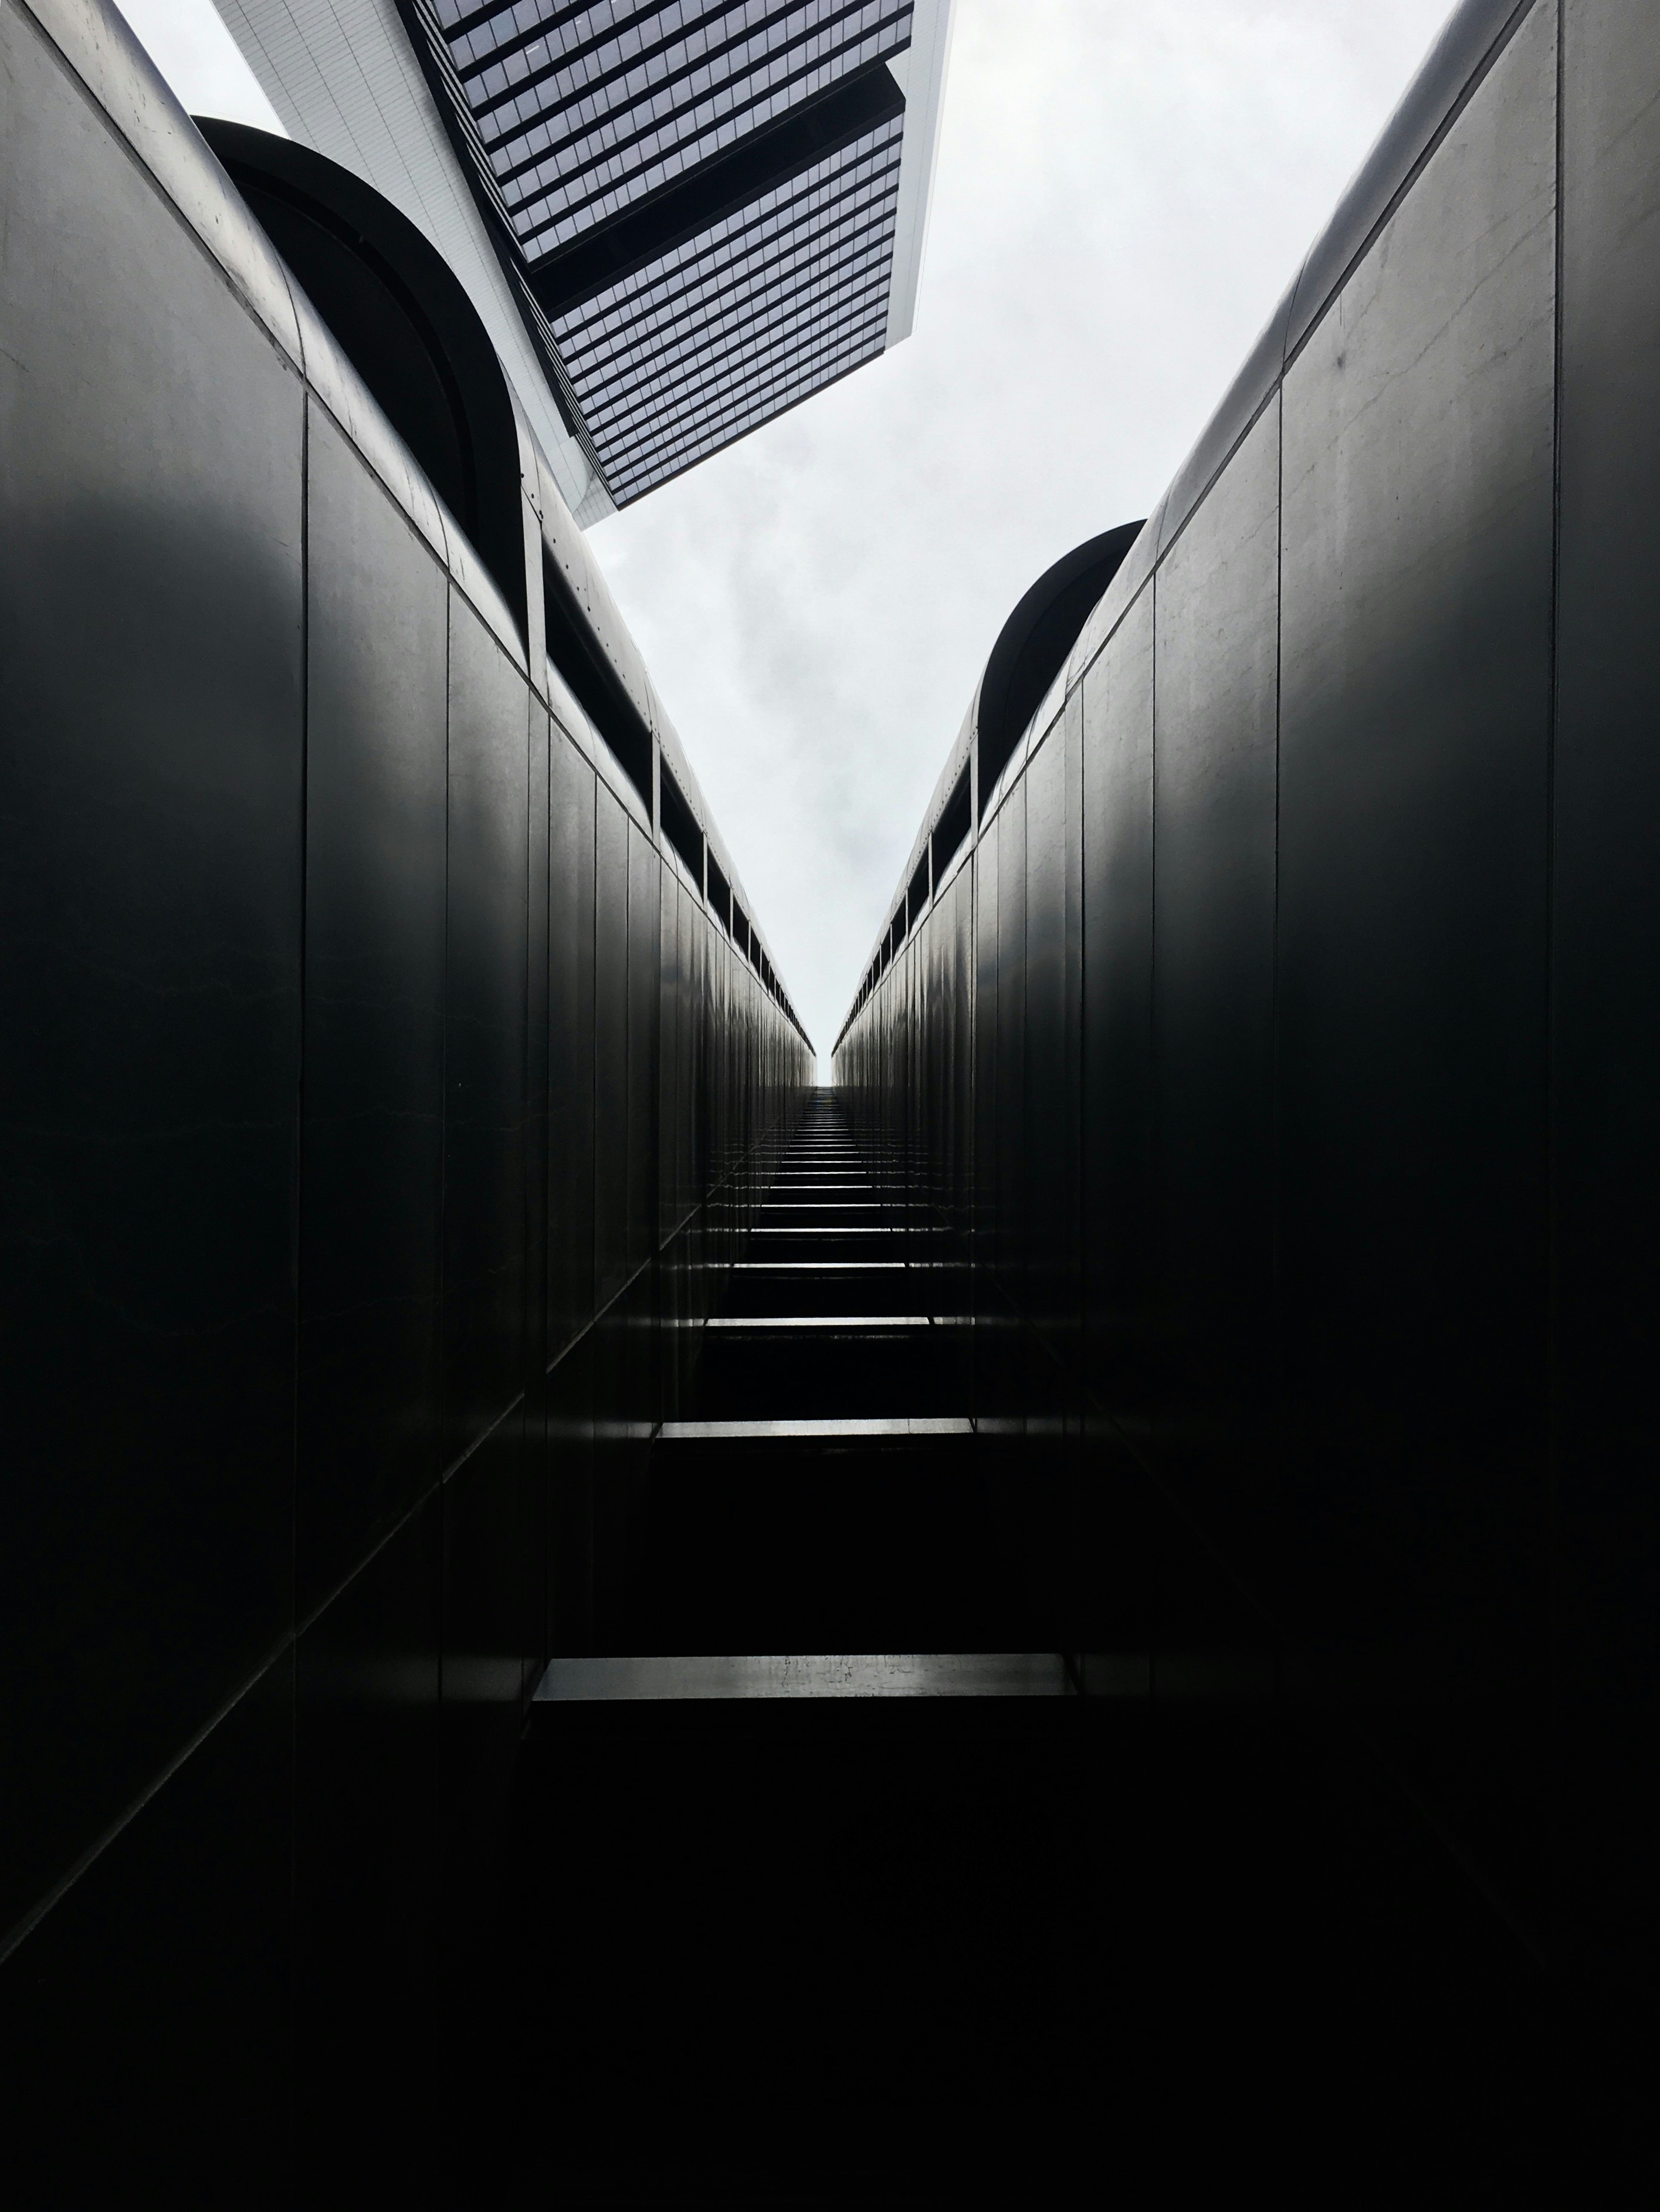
(1068, 1616)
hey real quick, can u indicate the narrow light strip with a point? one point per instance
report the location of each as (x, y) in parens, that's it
(702, 1677)
(900, 1424)
(819, 1320)
(823, 1232)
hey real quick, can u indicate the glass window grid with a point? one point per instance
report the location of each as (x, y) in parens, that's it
(630, 445)
(561, 135)
(731, 260)
(883, 143)
(744, 411)
(752, 407)
(634, 303)
(667, 392)
(670, 398)
(574, 33)
(845, 216)
(639, 33)
(630, 487)
(690, 372)
(629, 69)
(544, 220)
(564, 196)
(540, 233)
(758, 302)
(717, 295)
(512, 97)
(637, 435)
(542, 238)
(457, 18)
(764, 306)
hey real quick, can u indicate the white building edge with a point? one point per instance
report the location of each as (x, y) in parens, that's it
(922, 80)
(345, 81)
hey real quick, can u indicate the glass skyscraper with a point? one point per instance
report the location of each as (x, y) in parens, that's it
(702, 211)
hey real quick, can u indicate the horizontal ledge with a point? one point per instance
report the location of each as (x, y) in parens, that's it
(899, 1425)
(820, 1321)
(763, 1322)
(832, 1675)
(812, 1267)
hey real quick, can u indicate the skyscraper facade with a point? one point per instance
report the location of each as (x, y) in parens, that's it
(698, 212)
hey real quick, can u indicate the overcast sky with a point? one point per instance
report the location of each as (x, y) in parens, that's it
(1124, 188)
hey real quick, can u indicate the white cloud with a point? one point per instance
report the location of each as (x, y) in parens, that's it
(1124, 189)
(201, 61)
(1123, 192)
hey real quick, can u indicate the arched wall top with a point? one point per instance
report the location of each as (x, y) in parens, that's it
(1476, 34)
(405, 323)
(1033, 643)
(1030, 652)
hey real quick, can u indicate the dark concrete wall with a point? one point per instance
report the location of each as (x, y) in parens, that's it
(1306, 1052)
(379, 1097)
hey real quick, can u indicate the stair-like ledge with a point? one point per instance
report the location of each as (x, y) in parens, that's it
(828, 1675)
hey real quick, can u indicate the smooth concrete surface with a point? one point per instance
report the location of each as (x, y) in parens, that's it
(828, 1430)
(855, 1322)
(980, 1923)
(834, 1675)
(337, 1317)
(1272, 1054)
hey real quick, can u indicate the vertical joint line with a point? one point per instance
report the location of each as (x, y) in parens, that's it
(1275, 1260)
(441, 1455)
(298, 1262)
(1551, 1254)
